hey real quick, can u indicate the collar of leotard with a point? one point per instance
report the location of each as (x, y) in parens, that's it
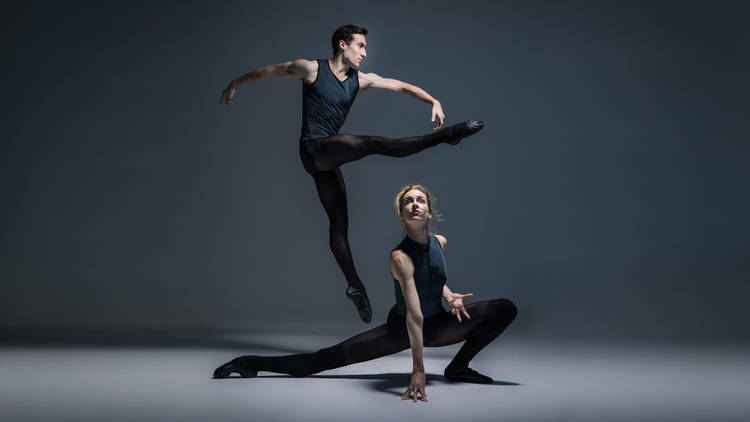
(413, 244)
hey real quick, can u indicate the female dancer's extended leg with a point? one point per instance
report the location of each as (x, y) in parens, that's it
(488, 320)
(323, 156)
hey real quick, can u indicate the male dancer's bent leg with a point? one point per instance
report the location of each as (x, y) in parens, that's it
(332, 194)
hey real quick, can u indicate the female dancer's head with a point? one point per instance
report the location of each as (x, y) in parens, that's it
(415, 206)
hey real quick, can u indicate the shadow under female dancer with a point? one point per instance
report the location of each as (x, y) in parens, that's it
(417, 319)
(329, 88)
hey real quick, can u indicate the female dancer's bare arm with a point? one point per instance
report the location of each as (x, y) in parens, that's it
(402, 269)
(302, 69)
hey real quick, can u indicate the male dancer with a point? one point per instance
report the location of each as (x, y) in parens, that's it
(329, 88)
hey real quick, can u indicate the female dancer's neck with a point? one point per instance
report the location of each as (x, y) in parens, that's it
(417, 233)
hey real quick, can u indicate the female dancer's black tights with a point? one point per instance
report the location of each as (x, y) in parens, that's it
(322, 158)
(488, 320)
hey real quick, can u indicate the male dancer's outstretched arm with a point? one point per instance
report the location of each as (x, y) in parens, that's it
(375, 81)
(301, 69)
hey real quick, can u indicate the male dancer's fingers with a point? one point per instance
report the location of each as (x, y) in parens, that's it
(424, 395)
(406, 393)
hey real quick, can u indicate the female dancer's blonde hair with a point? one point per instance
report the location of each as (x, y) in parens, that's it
(398, 202)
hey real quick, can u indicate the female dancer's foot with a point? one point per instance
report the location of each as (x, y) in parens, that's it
(462, 130)
(466, 375)
(235, 365)
(359, 297)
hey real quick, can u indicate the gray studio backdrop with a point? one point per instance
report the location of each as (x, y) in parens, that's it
(607, 196)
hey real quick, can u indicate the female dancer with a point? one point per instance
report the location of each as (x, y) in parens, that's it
(329, 88)
(417, 319)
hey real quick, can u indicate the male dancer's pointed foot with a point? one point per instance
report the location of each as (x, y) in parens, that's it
(359, 297)
(466, 375)
(465, 129)
(234, 365)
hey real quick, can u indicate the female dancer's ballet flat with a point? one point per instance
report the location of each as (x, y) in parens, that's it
(233, 366)
(466, 375)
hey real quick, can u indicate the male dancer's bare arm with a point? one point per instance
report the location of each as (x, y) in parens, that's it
(403, 270)
(302, 69)
(375, 81)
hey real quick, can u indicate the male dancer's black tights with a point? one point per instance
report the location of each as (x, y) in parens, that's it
(322, 158)
(488, 320)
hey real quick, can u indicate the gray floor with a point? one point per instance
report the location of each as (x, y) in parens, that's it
(536, 381)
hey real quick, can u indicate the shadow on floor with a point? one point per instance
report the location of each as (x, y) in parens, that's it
(391, 383)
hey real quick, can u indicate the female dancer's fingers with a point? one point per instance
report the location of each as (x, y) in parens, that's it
(458, 315)
(465, 313)
(467, 295)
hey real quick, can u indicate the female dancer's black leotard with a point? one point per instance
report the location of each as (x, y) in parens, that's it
(488, 319)
(325, 105)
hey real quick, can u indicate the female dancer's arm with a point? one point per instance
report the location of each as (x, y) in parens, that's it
(403, 270)
(375, 81)
(302, 69)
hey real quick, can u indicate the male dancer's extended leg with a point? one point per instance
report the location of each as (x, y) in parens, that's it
(332, 193)
(333, 151)
(378, 342)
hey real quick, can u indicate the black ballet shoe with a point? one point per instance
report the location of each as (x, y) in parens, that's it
(466, 375)
(465, 129)
(359, 297)
(232, 366)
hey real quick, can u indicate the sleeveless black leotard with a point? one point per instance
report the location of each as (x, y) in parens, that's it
(326, 102)
(430, 271)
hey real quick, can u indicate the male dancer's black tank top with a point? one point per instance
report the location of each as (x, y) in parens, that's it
(430, 271)
(326, 102)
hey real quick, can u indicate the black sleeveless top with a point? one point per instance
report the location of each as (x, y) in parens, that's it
(430, 271)
(326, 102)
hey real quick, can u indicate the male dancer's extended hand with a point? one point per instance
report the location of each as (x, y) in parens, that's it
(228, 93)
(437, 111)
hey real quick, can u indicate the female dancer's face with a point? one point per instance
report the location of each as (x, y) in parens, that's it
(414, 206)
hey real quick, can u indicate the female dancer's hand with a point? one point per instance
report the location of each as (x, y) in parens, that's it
(456, 301)
(228, 93)
(417, 385)
(437, 111)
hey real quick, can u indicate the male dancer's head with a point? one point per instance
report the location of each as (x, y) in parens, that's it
(349, 42)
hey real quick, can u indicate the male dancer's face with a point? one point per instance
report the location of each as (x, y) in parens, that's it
(414, 206)
(354, 53)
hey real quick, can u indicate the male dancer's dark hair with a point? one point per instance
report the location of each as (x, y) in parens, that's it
(345, 32)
